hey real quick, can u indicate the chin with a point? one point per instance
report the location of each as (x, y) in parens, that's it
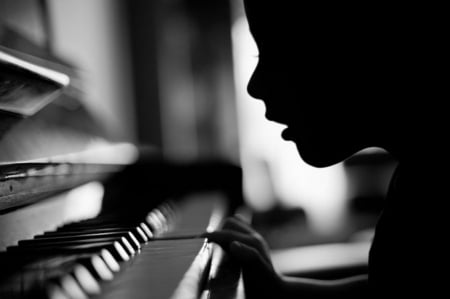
(320, 159)
(318, 162)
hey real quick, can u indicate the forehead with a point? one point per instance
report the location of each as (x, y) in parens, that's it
(314, 19)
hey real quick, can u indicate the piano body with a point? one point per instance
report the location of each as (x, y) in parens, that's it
(80, 216)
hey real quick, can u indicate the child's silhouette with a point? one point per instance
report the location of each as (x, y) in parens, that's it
(343, 78)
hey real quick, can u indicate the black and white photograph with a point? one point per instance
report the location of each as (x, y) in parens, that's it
(226, 149)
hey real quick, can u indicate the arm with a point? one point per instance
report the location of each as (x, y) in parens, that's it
(351, 287)
(261, 280)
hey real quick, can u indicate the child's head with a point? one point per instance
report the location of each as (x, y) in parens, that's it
(343, 77)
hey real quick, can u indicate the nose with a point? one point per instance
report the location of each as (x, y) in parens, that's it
(255, 84)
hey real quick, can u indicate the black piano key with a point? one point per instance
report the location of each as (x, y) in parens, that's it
(127, 240)
(116, 220)
(83, 227)
(156, 271)
(141, 232)
(74, 249)
(146, 229)
(153, 225)
(132, 237)
(116, 249)
(162, 265)
(157, 221)
(86, 230)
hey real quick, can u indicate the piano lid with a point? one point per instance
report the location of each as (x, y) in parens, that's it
(25, 87)
(41, 114)
(49, 142)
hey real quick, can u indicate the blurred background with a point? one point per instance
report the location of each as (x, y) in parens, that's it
(171, 75)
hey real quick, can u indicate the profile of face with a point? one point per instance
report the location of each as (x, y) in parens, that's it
(326, 73)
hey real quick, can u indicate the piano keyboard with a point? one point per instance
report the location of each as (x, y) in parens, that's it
(115, 256)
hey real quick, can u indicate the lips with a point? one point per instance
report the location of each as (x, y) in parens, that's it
(276, 118)
(287, 134)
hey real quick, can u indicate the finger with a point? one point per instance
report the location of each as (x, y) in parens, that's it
(248, 256)
(257, 273)
(242, 218)
(225, 237)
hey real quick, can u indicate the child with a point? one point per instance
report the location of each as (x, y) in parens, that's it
(344, 77)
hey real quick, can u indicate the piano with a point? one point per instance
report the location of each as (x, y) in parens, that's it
(82, 217)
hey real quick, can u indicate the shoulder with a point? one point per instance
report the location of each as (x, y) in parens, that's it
(405, 244)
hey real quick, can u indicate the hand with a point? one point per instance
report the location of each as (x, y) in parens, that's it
(249, 249)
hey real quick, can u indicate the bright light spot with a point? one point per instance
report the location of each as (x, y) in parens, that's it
(84, 202)
(313, 258)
